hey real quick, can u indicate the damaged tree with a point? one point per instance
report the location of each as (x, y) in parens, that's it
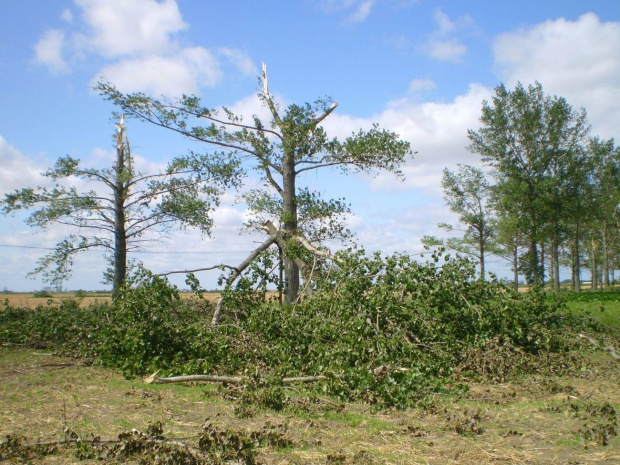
(127, 209)
(293, 142)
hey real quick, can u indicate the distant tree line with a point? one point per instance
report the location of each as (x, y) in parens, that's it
(549, 195)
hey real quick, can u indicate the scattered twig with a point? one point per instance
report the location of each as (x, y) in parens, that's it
(595, 343)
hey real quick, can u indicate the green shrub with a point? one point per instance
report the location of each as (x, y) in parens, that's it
(43, 293)
(385, 330)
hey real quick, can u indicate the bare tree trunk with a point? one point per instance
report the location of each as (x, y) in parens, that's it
(555, 255)
(289, 196)
(605, 256)
(576, 263)
(280, 275)
(552, 270)
(515, 267)
(291, 270)
(481, 252)
(594, 266)
(542, 264)
(120, 193)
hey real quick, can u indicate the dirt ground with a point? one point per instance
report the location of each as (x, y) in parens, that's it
(535, 420)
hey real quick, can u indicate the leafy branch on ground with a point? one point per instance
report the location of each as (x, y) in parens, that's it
(386, 330)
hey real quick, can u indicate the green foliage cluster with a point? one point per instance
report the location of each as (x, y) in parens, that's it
(44, 293)
(385, 330)
(591, 296)
(66, 328)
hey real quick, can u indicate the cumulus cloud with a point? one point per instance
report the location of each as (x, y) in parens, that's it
(49, 51)
(128, 28)
(357, 11)
(239, 60)
(361, 12)
(437, 132)
(189, 70)
(403, 230)
(418, 85)
(67, 15)
(575, 59)
(138, 43)
(16, 169)
(445, 43)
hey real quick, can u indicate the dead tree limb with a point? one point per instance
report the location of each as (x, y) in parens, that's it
(275, 236)
(153, 379)
(610, 349)
(209, 268)
(230, 379)
(190, 378)
(237, 272)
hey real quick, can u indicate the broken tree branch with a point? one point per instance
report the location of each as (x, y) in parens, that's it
(230, 379)
(610, 349)
(237, 272)
(270, 104)
(275, 236)
(382, 369)
(274, 231)
(209, 268)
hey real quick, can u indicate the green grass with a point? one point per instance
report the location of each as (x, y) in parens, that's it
(606, 312)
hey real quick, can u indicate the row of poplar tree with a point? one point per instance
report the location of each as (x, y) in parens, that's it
(547, 196)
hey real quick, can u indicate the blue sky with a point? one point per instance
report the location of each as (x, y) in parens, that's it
(420, 68)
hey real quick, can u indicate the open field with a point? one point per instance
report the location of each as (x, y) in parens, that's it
(535, 420)
(29, 300)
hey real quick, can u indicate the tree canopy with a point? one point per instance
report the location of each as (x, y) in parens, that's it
(535, 145)
(126, 209)
(291, 143)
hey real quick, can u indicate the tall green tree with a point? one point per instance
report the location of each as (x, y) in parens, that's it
(527, 138)
(293, 142)
(126, 209)
(468, 194)
(605, 178)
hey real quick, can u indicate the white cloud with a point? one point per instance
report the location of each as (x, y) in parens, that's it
(420, 85)
(49, 50)
(16, 170)
(437, 131)
(578, 60)
(67, 15)
(357, 10)
(127, 28)
(240, 60)
(444, 44)
(185, 72)
(361, 12)
(138, 43)
(402, 231)
(250, 106)
(445, 50)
